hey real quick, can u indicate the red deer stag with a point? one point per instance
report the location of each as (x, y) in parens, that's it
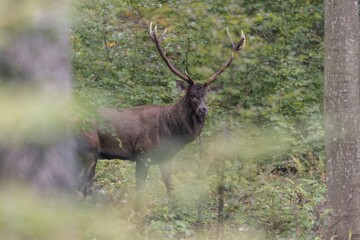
(150, 134)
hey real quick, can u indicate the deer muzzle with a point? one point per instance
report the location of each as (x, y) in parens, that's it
(202, 111)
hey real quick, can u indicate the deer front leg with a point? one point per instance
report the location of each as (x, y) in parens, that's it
(165, 168)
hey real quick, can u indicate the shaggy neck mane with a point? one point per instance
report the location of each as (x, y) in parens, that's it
(181, 119)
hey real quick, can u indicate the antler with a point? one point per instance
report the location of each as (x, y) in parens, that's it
(234, 48)
(157, 41)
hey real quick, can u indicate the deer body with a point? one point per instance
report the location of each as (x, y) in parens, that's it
(145, 134)
(149, 134)
(146, 131)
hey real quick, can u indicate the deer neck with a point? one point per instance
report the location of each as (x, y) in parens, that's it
(184, 120)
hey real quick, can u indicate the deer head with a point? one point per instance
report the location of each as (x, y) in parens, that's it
(196, 92)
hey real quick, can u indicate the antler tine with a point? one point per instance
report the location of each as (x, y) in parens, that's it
(232, 42)
(242, 42)
(163, 34)
(151, 32)
(157, 41)
(235, 48)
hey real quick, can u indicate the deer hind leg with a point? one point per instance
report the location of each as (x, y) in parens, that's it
(87, 174)
(141, 173)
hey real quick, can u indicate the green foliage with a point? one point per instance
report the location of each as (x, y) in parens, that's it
(282, 206)
(268, 116)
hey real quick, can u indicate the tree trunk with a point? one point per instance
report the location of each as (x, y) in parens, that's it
(35, 83)
(341, 111)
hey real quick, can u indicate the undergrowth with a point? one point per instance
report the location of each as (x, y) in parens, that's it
(212, 200)
(271, 202)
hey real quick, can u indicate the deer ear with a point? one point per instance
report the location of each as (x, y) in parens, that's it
(181, 85)
(216, 88)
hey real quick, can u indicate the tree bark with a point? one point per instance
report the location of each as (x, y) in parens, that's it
(342, 116)
(36, 148)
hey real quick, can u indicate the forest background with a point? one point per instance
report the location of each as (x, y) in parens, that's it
(258, 169)
(262, 149)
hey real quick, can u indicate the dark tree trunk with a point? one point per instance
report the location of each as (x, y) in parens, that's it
(341, 103)
(35, 81)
